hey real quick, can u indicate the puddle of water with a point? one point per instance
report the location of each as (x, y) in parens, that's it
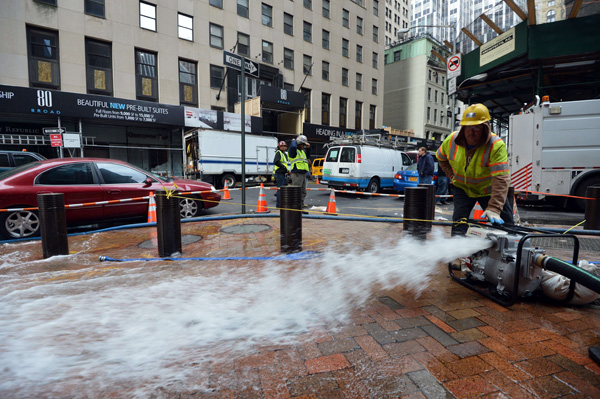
(156, 325)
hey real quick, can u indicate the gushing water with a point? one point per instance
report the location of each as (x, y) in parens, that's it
(154, 325)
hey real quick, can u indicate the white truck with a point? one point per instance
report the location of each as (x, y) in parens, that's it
(215, 156)
(554, 148)
(363, 162)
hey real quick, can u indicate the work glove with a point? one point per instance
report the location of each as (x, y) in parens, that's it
(492, 216)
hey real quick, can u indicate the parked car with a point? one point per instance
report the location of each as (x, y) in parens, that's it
(317, 167)
(89, 180)
(410, 177)
(12, 159)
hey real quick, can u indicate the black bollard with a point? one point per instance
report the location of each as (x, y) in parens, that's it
(430, 204)
(592, 208)
(53, 225)
(290, 218)
(168, 225)
(415, 207)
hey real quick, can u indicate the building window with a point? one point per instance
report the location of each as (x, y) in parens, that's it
(346, 18)
(428, 113)
(306, 93)
(376, 7)
(375, 34)
(359, 25)
(216, 3)
(267, 52)
(343, 111)
(146, 75)
(429, 93)
(551, 3)
(188, 82)
(307, 65)
(267, 15)
(358, 53)
(325, 106)
(359, 81)
(345, 51)
(308, 4)
(217, 74)
(216, 36)
(243, 44)
(288, 24)
(397, 55)
(185, 27)
(374, 86)
(551, 16)
(98, 60)
(345, 77)
(147, 16)
(358, 115)
(242, 8)
(325, 68)
(94, 7)
(307, 32)
(49, 2)
(442, 98)
(288, 58)
(435, 96)
(44, 68)
(325, 39)
(326, 8)
(375, 60)
(372, 112)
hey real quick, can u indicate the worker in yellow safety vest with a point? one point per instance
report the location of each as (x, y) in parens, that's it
(281, 170)
(476, 162)
(299, 154)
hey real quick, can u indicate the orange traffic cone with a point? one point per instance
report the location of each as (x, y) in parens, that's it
(262, 201)
(226, 195)
(151, 209)
(477, 212)
(318, 180)
(331, 209)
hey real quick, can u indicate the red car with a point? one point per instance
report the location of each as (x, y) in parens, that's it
(84, 180)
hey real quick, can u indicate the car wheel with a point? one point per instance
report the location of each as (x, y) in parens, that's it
(189, 207)
(19, 224)
(228, 180)
(373, 186)
(582, 190)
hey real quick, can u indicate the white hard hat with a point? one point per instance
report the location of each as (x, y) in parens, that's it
(302, 139)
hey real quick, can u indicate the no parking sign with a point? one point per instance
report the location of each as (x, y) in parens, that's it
(453, 66)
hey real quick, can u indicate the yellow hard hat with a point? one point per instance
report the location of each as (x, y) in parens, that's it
(475, 114)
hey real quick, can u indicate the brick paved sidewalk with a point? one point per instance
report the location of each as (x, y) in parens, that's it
(449, 342)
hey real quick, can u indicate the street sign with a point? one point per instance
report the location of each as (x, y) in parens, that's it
(453, 67)
(235, 61)
(451, 86)
(53, 130)
(56, 140)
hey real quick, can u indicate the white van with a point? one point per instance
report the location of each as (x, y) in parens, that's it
(362, 167)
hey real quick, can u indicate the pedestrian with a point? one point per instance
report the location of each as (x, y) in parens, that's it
(282, 169)
(442, 186)
(299, 154)
(477, 162)
(425, 166)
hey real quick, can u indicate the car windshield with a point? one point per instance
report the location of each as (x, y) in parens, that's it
(18, 169)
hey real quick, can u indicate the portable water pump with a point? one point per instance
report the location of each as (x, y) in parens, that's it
(511, 267)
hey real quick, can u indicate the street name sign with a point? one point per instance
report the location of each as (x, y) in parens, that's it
(53, 130)
(453, 66)
(235, 61)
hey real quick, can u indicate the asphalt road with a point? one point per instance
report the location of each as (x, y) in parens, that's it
(365, 205)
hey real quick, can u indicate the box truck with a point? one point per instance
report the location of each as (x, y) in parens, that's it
(215, 156)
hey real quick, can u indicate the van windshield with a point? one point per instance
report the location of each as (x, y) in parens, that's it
(332, 155)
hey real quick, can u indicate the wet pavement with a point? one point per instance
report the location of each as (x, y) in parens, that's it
(446, 341)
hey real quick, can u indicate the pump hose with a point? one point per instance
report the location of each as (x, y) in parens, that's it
(575, 273)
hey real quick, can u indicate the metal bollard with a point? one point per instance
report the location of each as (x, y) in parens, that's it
(53, 225)
(430, 204)
(415, 207)
(168, 225)
(290, 218)
(592, 208)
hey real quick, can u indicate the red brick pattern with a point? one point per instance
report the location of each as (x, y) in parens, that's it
(448, 342)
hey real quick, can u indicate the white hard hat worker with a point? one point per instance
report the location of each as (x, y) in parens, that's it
(282, 144)
(302, 139)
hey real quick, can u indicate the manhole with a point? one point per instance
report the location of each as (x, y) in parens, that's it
(185, 240)
(246, 228)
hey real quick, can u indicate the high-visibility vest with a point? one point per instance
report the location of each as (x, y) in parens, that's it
(300, 161)
(475, 177)
(284, 160)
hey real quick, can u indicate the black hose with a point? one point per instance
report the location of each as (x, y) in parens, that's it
(573, 272)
